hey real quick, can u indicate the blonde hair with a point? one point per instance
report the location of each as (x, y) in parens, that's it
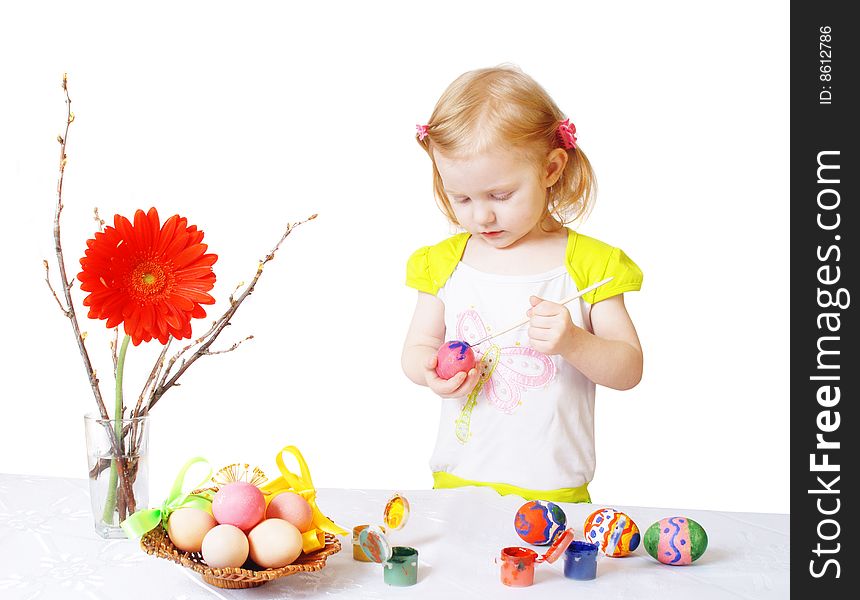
(503, 107)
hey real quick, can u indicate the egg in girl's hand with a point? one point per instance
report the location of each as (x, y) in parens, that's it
(187, 527)
(453, 357)
(293, 508)
(239, 503)
(225, 546)
(275, 543)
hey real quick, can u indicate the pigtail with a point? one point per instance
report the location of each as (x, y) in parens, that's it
(572, 197)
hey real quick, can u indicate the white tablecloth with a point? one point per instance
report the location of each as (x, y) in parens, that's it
(48, 549)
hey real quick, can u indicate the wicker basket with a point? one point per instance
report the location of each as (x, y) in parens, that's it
(158, 544)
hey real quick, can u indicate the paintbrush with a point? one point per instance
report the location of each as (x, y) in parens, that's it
(578, 294)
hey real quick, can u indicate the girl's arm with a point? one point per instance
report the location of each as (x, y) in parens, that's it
(426, 334)
(611, 356)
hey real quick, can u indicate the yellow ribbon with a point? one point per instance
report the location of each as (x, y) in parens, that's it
(314, 538)
(148, 518)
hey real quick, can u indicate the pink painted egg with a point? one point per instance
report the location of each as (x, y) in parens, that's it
(239, 503)
(293, 508)
(453, 357)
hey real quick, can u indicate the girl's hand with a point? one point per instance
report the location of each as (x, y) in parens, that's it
(458, 386)
(551, 330)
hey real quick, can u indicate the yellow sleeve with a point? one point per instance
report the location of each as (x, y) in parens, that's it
(429, 267)
(418, 271)
(590, 260)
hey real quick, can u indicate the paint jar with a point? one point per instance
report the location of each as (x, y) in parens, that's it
(401, 569)
(370, 544)
(580, 561)
(357, 552)
(517, 566)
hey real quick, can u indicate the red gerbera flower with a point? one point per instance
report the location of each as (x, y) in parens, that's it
(150, 277)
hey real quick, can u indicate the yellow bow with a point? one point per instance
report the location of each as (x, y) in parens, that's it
(314, 538)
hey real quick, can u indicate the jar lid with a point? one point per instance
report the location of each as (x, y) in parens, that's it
(556, 550)
(374, 544)
(396, 512)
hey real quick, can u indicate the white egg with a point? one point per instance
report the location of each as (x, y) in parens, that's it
(275, 543)
(225, 546)
(187, 527)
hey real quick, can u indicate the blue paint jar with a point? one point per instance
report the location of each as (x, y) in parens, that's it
(580, 561)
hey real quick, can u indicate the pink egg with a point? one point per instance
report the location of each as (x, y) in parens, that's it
(293, 508)
(240, 504)
(452, 357)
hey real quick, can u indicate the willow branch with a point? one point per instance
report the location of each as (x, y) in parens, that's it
(231, 348)
(67, 287)
(218, 326)
(51, 287)
(153, 377)
(98, 219)
(70, 307)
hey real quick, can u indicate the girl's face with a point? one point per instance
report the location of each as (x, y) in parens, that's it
(498, 195)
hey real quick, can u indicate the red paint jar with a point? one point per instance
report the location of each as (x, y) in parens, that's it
(517, 566)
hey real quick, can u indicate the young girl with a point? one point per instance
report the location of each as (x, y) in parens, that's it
(507, 169)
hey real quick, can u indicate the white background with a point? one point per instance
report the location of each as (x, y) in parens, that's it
(246, 117)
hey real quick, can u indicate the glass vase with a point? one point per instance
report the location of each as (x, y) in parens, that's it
(117, 459)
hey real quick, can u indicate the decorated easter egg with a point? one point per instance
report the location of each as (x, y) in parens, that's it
(614, 532)
(186, 528)
(240, 504)
(293, 508)
(225, 546)
(274, 543)
(539, 522)
(453, 357)
(675, 540)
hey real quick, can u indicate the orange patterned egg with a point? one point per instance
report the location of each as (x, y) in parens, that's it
(538, 522)
(614, 532)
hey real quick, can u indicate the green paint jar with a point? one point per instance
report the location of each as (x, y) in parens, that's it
(402, 568)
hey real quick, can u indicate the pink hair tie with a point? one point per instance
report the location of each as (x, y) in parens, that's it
(422, 132)
(567, 133)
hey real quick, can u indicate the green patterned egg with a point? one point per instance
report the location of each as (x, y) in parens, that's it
(675, 540)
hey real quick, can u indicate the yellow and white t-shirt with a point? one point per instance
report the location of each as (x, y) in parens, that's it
(528, 427)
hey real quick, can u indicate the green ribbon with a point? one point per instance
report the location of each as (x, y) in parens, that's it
(149, 518)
